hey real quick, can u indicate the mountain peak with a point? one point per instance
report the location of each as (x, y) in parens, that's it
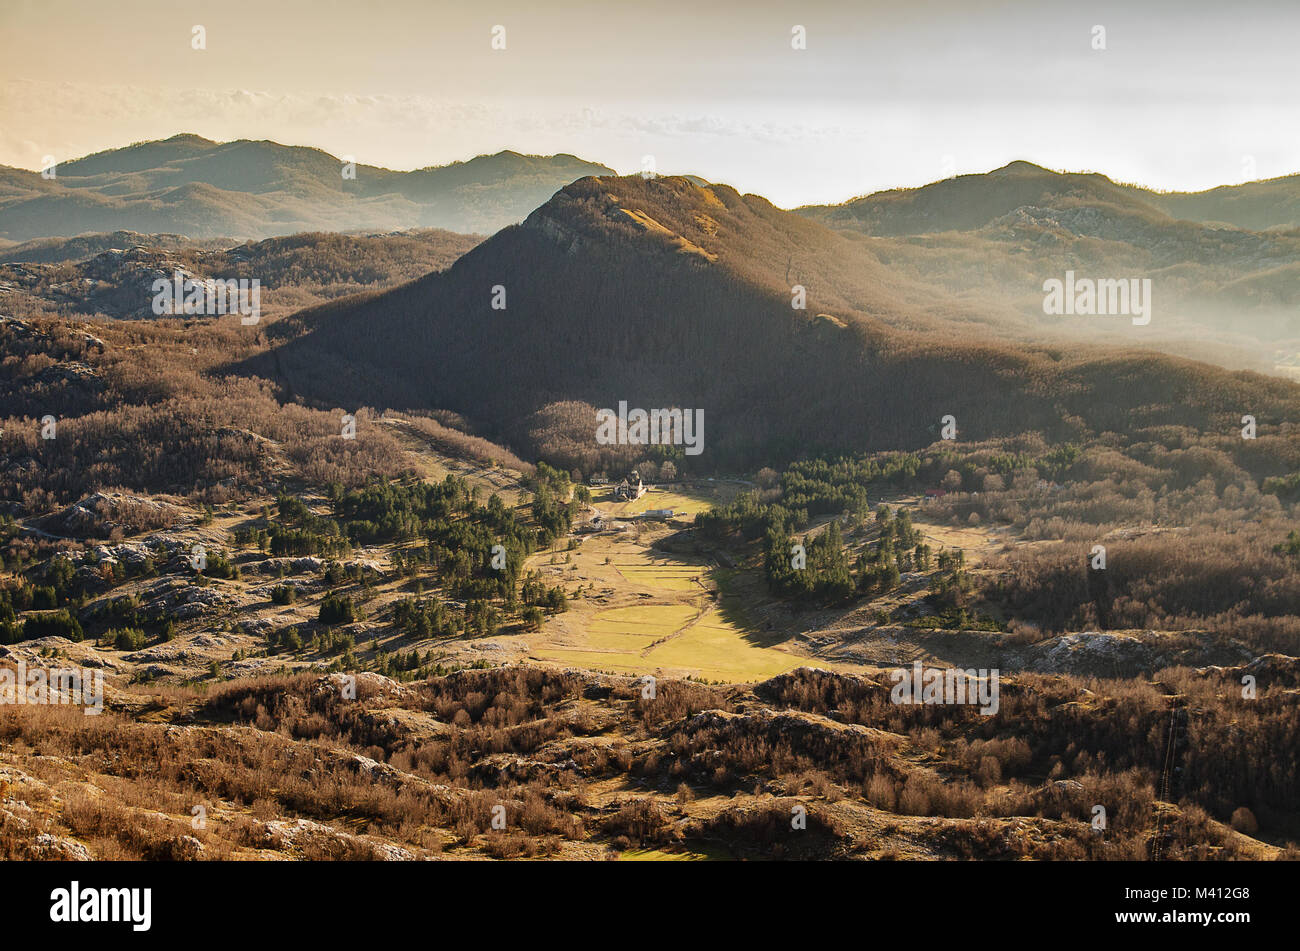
(969, 202)
(1022, 167)
(183, 138)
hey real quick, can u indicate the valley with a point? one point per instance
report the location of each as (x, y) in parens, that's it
(360, 575)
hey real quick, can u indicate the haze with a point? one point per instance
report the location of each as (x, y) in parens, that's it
(1185, 96)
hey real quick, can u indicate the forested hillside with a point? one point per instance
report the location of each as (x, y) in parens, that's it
(664, 293)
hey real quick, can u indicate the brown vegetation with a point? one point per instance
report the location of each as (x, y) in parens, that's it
(292, 766)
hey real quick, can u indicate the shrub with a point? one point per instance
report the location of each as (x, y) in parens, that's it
(1243, 820)
(337, 609)
(127, 638)
(219, 566)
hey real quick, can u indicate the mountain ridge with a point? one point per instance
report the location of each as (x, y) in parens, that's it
(254, 189)
(1253, 206)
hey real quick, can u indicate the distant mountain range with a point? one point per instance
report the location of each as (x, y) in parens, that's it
(250, 190)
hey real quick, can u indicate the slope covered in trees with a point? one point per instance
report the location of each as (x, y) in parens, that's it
(664, 293)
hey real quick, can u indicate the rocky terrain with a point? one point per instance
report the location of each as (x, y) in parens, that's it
(114, 275)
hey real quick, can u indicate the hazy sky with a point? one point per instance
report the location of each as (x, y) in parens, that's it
(1187, 94)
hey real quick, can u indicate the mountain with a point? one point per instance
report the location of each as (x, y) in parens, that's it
(1257, 206)
(1219, 291)
(663, 293)
(245, 189)
(969, 202)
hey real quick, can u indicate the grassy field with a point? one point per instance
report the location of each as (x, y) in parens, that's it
(651, 613)
(676, 855)
(685, 500)
(635, 629)
(666, 639)
(715, 649)
(658, 573)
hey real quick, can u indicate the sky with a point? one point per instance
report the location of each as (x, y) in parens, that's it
(1185, 95)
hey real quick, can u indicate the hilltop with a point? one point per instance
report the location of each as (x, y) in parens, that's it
(968, 202)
